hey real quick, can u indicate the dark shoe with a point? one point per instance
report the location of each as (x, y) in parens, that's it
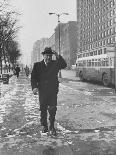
(53, 132)
(45, 129)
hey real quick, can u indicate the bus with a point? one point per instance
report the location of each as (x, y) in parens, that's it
(97, 65)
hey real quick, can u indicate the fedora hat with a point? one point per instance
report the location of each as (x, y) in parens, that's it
(47, 50)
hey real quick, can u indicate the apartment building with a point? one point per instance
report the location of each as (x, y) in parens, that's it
(38, 48)
(68, 41)
(35, 54)
(96, 25)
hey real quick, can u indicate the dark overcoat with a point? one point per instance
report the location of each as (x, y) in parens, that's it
(45, 78)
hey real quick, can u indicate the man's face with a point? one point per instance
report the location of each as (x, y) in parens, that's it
(47, 57)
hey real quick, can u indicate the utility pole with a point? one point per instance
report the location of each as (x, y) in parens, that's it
(58, 15)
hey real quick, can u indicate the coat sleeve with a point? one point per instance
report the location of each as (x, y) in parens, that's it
(34, 81)
(61, 62)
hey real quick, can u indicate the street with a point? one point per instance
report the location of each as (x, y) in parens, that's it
(85, 120)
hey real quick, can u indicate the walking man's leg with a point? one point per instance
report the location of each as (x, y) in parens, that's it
(52, 113)
(43, 115)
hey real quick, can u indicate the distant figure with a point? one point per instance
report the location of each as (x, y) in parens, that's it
(44, 80)
(17, 70)
(27, 71)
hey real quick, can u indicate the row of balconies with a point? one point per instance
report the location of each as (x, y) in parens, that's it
(97, 36)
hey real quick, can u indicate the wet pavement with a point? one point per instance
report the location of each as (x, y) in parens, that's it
(85, 120)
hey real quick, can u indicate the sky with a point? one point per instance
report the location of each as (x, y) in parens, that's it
(36, 23)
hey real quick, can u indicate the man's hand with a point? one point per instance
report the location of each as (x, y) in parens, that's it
(56, 54)
(35, 91)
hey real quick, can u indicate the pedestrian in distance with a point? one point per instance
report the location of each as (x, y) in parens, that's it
(27, 71)
(17, 70)
(44, 81)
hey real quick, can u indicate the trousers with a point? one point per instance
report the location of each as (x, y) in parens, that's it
(48, 103)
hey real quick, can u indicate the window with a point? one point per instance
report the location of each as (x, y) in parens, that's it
(114, 38)
(111, 40)
(92, 62)
(99, 62)
(104, 50)
(95, 52)
(103, 62)
(111, 31)
(91, 53)
(95, 62)
(99, 52)
(111, 4)
(114, 19)
(108, 32)
(104, 42)
(115, 29)
(102, 35)
(108, 40)
(111, 22)
(111, 13)
(105, 33)
(114, 11)
(111, 62)
(107, 62)
(108, 23)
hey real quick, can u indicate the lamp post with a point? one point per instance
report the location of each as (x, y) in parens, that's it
(58, 15)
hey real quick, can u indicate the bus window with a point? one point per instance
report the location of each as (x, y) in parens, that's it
(103, 62)
(111, 62)
(89, 63)
(95, 62)
(99, 62)
(104, 50)
(92, 62)
(107, 63)
(98, 52)
(84, 63)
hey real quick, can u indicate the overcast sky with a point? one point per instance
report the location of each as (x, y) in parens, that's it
(37, 23)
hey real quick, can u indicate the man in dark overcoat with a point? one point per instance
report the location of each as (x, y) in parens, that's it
(44, 80)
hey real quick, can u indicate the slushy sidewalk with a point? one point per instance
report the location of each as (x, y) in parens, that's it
(24, 139)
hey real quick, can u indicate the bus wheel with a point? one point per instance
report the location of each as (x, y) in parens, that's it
(81, 76)
(105, 79)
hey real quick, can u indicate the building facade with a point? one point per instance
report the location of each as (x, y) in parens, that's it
(38, 48)
(35, 54)
(51, 42)
(68, 41)
(43, 44)
(96, 25)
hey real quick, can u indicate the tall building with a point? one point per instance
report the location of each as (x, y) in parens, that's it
(96, 25)
(58, 37)
(35, 54)
(68, 41)
(43, 44)
(51, 41)
(38, 48)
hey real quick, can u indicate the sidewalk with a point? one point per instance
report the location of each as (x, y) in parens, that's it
(19, 132)
(6, 87)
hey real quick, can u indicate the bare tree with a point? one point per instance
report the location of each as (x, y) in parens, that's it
(8, 32)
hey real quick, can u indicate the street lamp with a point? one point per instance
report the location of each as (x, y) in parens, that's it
(58, 15)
